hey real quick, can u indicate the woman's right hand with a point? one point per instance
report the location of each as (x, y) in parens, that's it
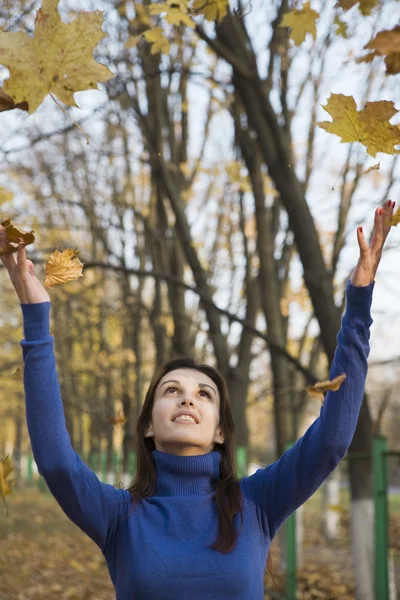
(22, 274)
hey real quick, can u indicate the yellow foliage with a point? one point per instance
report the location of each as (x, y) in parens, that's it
(370, 126)
(62, 267)
(395, 220)
(58, 58)
(365, 6)
(158, 41)
(6, 469)
(213, 10)
(5, 195)
(317, 390)
(174, 15)
(341, 27)
(386, 43)
(301, 22)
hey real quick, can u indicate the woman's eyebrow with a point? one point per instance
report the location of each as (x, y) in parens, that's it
(201, 385)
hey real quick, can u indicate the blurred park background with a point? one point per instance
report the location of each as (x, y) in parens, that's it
(214, 219)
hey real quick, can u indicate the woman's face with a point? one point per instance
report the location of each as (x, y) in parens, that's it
(185, 390)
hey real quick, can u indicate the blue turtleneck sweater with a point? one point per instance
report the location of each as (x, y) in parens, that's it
(159, 551)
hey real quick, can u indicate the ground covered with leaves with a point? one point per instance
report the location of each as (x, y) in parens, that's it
(43, 556)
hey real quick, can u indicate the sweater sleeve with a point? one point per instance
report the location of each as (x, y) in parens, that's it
(280, 488)
(92, 505)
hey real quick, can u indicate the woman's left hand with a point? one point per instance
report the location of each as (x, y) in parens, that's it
(370, 255)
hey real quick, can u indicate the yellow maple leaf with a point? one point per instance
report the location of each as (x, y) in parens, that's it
(317, 390)
(365, 6)
(213, 10)
(301, 22)
(370, 126)
(175, 14)
(62, 267)
(6, 468)
(158, 41)
(57, 59)
(10, 237)
(386, 43)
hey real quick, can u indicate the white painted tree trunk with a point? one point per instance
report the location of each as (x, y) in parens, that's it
(392, 578)
(362, 541)
(330, 505)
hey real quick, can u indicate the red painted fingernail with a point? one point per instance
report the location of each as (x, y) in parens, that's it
(393, 203)
(380, 211)
(360, 229)
(389, 202)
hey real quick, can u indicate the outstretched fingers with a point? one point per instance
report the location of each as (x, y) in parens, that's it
(362, 242)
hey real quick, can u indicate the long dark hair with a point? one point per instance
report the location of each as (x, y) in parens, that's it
(228, 494)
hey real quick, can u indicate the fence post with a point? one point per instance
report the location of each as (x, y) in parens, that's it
(103, 465)
(379, 447)
(291, 558)
(29, 474)
(241, 461)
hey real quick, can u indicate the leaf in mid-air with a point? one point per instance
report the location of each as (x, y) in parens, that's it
(63, 267)
(370, 126)
(386, 43)
(13, 234)
(317, 390)
(6, 468)
(57, 59)
(301, 22)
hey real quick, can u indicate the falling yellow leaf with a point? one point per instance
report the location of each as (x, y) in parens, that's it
(301, 22)
(213, 10)
(373, 168)
(158, 41)
(13, 233)
(63, 267)
(58, 58)
(370, 126)
(6, 468)
(365, 6)
(386, 43)
(317, 390)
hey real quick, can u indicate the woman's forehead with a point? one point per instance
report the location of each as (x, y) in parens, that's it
(187, 375)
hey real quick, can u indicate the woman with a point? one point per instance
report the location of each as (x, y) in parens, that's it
(187, 529)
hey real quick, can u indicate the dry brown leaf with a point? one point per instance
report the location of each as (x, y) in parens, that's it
(373, 168)
(62, 267)
(13, 233)
(317, 390)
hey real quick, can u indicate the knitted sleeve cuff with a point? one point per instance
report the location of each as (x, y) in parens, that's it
(36, 319)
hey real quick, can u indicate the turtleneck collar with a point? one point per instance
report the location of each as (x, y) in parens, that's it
(186, 475)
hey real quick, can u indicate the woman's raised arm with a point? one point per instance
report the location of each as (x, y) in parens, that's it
(95, 507)
(280, 488)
